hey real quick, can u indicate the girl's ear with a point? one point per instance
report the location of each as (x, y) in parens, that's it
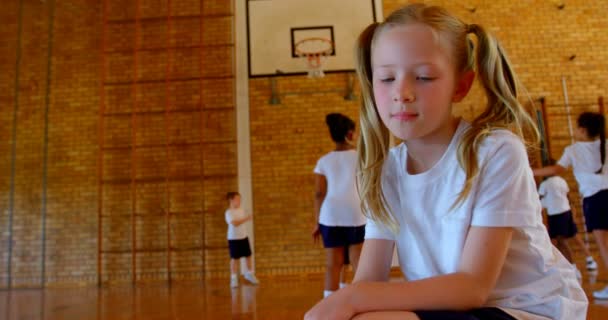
(350, 135)
(465, 81)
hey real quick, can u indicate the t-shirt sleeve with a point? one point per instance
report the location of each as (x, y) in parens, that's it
(542, 190)
(228, 215)
(319, 168)
(507, 195)
(377, 230)
(566, 159)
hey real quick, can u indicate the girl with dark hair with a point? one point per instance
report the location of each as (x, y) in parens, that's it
(338, 218)
(587, 158)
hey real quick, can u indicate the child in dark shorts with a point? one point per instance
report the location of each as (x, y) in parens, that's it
(238, 242)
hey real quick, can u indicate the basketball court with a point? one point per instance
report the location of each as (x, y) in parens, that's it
(123, 138)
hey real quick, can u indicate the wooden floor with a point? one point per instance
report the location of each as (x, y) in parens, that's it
(274, 298)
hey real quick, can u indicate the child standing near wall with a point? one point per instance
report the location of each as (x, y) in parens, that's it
(238, 242)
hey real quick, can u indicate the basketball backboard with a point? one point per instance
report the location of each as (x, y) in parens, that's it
(274, 27)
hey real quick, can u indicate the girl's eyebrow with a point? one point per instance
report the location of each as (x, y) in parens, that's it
(416, 65)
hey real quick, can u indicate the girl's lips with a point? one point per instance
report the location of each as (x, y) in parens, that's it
(405, 116)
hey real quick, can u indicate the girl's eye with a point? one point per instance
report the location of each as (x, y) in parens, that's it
(387, 79)
(423, 78)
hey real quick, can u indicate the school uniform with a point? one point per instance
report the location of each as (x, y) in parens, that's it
(554, 198)
(238, 242)
(341, 221)
(536, 281)
(584, 158)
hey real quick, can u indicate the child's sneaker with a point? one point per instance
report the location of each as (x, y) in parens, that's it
(249, 276)
(591, 264)
(601, 294)
(234, 281)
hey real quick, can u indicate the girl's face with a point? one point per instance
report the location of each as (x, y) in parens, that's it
(415, 82)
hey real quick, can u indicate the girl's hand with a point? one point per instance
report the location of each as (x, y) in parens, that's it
(316, 233)
(334, 307)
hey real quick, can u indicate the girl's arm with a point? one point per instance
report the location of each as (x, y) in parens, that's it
(375, 260)
(549, 171)
(320, 193)
(482, 260)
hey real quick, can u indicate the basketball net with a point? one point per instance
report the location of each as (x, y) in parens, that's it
(315, 64)
(314, 52)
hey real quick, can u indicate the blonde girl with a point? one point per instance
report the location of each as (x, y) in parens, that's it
(457, 199)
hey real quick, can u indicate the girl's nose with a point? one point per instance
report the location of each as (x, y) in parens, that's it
(404, 93)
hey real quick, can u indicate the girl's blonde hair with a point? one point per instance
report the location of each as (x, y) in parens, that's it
(503, 110)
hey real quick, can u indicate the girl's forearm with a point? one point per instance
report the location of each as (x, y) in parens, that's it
(457, 291)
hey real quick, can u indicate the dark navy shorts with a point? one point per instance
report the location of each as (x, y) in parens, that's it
(334, 237)
(595, 208)
(475, 314)
(561, 225)
(239, 248)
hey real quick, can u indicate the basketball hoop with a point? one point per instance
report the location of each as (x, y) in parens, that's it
(315, 51)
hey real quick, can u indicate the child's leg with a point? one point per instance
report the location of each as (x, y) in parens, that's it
(334, 260)
(354, 252)
(343, 277)
(234, 266)
(579, 242)
(234, 276)
(249, 276)
(563, 247)
(249, 264)
(601, 238)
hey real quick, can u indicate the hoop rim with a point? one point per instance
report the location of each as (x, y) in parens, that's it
(302, 53)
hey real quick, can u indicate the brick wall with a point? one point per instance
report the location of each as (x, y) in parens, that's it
(287, 139)
(176, 106)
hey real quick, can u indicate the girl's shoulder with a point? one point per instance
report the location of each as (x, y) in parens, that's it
(339, 154)
(504, 145)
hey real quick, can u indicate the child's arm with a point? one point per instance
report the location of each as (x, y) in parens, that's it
(320, 193)
(237, 222)
(548, 171)
(482, 260)
(375, 260)
(483, 257)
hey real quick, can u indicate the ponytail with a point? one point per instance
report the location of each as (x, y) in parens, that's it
(503, 110)
(374, 140)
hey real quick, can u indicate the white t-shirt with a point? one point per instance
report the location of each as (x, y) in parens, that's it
(584, 157)
(236, 232)
(341, 206)
(536, 281)
(554, 191)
